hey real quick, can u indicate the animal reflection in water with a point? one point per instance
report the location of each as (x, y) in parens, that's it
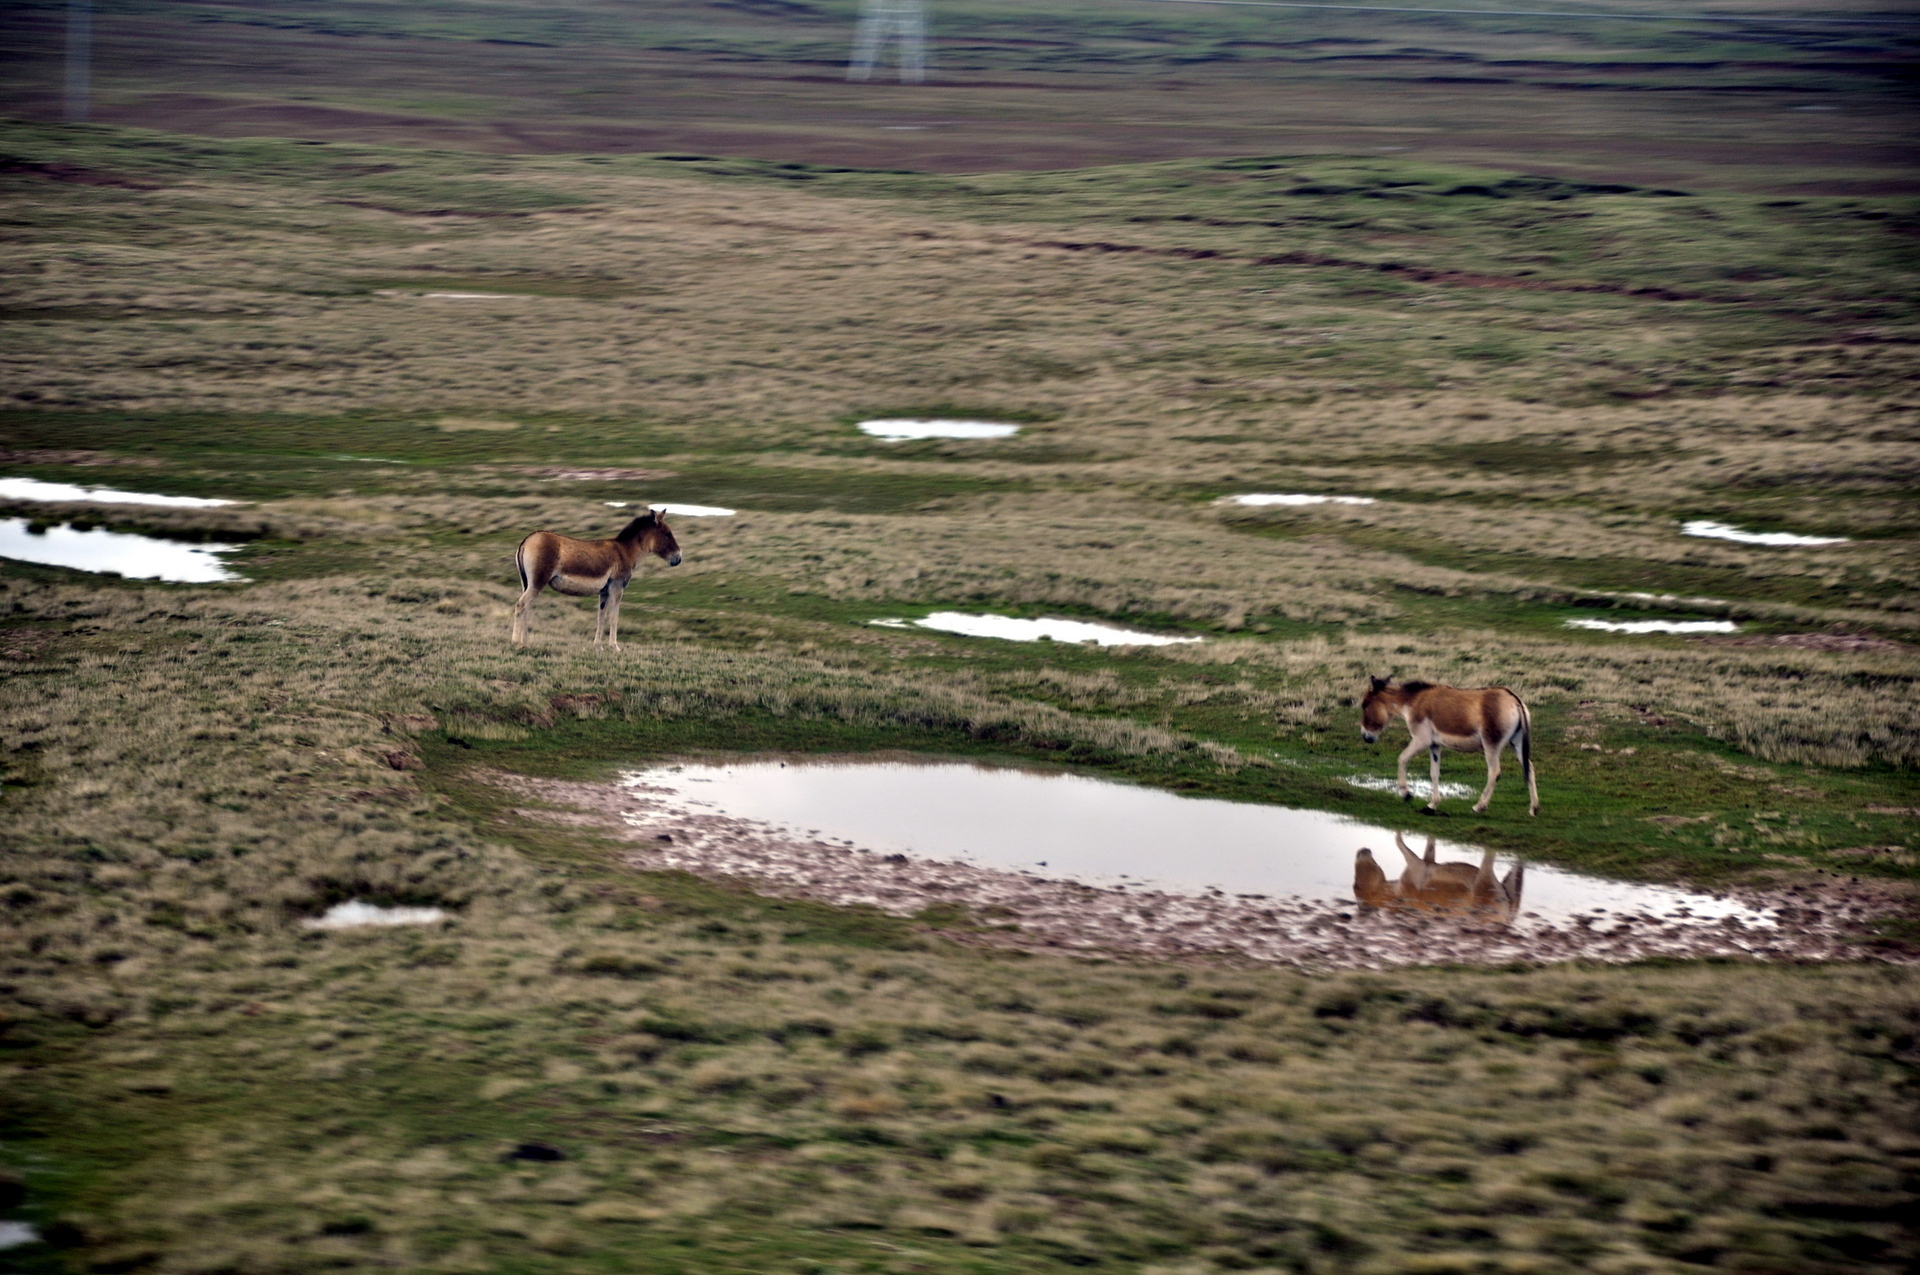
(1427, 886)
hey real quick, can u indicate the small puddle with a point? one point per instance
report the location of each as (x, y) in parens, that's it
(451, 296)
(34, 489)
(1113, 835)
(1419, 784)
(1656, 626)
(15, 1234)
(904, 431)
(682, 511)
(1723, 531)
(123, 553)
(353, 915)
(1012, 630)
(1295, 498)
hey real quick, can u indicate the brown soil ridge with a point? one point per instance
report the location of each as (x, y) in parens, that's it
(1042, 915)
(1811, 641)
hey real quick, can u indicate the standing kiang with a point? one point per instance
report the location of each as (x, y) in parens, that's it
(582, 568)
(1489, 718)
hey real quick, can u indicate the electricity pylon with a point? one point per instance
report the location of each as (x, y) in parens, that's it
(905, 21)
(79, 59)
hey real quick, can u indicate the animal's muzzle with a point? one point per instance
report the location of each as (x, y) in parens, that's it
(673, 559)
(1368, 735)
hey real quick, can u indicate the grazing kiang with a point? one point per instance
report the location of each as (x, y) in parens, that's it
(1489, 718)
(1424, 885)
(548, 560)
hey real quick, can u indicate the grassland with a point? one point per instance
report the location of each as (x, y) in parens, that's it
(1537, 381)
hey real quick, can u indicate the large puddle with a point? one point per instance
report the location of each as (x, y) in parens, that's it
(1115, 835)
(34, 489)
(123, 553)
(1010, 629)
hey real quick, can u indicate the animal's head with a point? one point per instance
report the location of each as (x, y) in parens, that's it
(1376, 710)
(1371, 889)
(655, 537)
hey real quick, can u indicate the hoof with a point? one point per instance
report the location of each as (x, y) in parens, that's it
(1406, 796)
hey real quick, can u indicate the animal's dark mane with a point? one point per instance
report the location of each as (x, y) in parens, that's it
(638, 525)
(1414, 688)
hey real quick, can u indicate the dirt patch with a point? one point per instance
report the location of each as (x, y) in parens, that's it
(75, 174)
(1825, 921)
(51, 456)
(1812, 641)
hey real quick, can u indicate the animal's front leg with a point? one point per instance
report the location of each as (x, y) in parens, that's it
(600, 616)
(1493, 776)
(1406, 793)
(1433, 797)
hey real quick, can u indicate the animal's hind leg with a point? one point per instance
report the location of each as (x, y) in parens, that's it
(521, 612)
(1493, 774)
(613, 615)
(1526, 763)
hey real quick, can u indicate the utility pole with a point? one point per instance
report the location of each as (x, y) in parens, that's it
(905, 21)
(79, 59)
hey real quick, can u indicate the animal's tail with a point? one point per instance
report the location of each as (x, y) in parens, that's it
(520, 561)
(1524, 746)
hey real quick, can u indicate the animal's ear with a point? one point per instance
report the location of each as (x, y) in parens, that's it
(1379, 683)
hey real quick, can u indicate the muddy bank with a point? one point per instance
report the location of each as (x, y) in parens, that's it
(1024, 911)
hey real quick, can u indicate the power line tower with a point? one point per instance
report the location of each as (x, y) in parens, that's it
(905, 22)
(79, 59)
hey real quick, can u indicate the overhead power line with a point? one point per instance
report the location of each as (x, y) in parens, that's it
(1535, 13)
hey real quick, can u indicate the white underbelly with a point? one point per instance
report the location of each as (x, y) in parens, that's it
(578, 586)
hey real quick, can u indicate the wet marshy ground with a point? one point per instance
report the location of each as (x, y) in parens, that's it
(1061, 861)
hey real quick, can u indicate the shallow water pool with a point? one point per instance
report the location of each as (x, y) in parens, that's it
(354, 915)
(1656, 626)
(1289, 498)
(905, 431)
(1012, 630)
(34, 489)
(1056, 824)
(1723, 531)
(124, 553)
(682, 511)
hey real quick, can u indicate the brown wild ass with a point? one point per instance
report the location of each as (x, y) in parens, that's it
(1488, 718)
(583, 567)
(1438, 887)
